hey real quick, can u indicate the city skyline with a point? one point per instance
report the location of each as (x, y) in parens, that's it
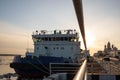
(19, 18)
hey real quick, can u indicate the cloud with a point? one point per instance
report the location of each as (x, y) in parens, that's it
(7, 28)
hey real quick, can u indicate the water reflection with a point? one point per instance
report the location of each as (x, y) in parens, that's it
(6, 60)
(7, 73)
(4, 67)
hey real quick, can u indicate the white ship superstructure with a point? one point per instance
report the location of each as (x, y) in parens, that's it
(56, 43)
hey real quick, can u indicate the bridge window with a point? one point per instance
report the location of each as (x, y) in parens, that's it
(62, 48)
(37, 48)
(66, 38)
(49, 39)
(46, 47)
(71, 48)
(46, 39)
(62, 38)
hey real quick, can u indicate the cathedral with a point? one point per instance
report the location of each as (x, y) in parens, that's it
(109, 48)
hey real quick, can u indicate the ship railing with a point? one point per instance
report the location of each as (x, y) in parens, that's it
(70, 68)
(82, 72)
(44, 32)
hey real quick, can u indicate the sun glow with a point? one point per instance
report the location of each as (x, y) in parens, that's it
(90, 38)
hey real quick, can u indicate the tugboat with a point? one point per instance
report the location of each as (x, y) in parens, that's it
(58, 47)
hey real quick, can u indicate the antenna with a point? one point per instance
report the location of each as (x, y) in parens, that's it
(27, 42)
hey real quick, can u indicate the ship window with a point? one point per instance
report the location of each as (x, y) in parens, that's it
(57, 38)
(42, 39)
(54, 39)
(38, 40)
(46, 39)
(37, 48)
(57, 48)
(62, 48)
(46, 47)
(69, 38)
(49, 39)
(62, 38)
(72, 48)
(66, 38)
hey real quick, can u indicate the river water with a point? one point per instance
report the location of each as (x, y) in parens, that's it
(5, 68)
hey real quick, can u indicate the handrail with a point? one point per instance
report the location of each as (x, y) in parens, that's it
(62, 67)
(79, 13)
(81, 74)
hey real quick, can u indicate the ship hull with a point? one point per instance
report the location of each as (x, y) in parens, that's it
(26, 70)
(35, 67)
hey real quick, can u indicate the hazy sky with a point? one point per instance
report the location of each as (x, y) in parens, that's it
(19, 18)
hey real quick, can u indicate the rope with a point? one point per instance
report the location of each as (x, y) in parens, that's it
(37, 67)
(43, 65)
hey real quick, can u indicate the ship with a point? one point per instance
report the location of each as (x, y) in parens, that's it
(58, 47)
(56, 51)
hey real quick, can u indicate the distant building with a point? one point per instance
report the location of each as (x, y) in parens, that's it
(99, 54)
(109, 50)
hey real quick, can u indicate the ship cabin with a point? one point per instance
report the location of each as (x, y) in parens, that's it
(56, 43)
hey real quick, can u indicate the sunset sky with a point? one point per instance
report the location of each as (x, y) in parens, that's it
(19, 18)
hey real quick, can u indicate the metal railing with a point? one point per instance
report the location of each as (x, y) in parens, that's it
(64, 68)
(82, 72)
(111, 67)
